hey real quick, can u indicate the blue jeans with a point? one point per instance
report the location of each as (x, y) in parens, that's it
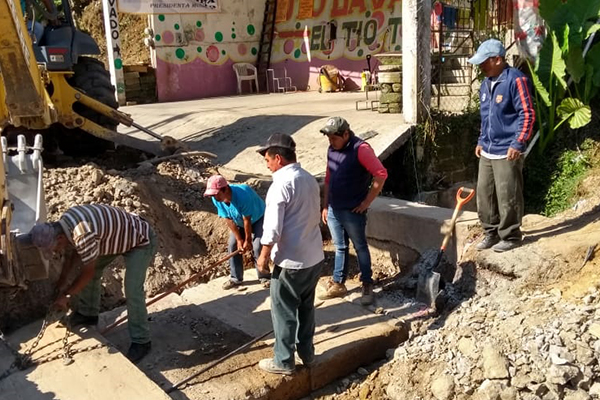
(236, 264)
(293, 313)
(344, 226)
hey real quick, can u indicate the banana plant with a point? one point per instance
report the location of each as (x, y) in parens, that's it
(566, 75)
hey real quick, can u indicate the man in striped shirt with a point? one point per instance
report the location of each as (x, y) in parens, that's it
(97, 234)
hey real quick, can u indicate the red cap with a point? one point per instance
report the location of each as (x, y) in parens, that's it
(214, 184)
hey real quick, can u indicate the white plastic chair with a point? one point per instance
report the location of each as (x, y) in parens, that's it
(245, 72)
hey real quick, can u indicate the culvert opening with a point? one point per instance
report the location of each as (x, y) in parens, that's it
(435, 161)
(429, 168)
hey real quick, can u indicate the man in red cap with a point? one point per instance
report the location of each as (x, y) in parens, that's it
(243, 211)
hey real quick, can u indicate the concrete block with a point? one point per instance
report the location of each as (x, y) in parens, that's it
(416, 226)
(390, 68)
(390, 98)
(390, 77)
(386, 88)
(131, 75)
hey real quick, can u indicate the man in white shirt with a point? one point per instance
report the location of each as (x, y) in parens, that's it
(292, 239)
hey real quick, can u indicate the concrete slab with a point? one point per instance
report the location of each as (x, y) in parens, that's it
(347, 336)
(233, 127)
(415, 228)
(99, 373)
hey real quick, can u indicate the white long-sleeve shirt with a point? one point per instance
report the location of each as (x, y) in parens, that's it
(292, 219)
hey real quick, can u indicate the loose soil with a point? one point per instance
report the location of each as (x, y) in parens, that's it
(131, 28)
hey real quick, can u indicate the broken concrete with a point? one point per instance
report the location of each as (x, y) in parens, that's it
(408, 229)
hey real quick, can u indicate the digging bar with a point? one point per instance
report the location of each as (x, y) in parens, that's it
(220, 360)
(429, 279)
(173, 289)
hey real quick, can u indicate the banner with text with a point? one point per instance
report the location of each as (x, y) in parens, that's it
(168, 6)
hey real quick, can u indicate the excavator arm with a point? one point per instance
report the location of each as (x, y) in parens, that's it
(23, 97)
(33, 97)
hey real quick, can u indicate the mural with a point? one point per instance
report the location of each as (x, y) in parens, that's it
(312, 33)
(195, 52)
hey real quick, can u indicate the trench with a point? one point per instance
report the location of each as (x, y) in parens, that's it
(196, 337)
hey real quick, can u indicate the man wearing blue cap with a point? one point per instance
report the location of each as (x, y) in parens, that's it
(507, 118)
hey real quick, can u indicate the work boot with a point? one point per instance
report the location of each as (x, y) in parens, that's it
(505, 245)
(230, 284)
(367, 294)
(333, 289)
(268, 365)
(77, 319)
(487, 242)
(137, 351)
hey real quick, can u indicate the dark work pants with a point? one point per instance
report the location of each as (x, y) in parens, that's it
(500, 201)
(293, 313)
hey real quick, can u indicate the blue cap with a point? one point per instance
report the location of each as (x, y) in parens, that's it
(487, 49)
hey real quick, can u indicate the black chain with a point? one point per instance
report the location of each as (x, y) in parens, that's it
(24, 361)
(13, 367)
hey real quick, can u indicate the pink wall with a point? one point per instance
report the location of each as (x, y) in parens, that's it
(194, 53)
(195, 80)
(341, 33)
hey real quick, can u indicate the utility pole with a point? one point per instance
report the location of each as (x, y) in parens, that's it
(416, 59)
(113, 48)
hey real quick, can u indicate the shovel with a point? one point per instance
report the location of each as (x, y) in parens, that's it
(428, 285)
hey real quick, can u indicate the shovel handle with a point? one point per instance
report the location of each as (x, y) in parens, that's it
(461, 201)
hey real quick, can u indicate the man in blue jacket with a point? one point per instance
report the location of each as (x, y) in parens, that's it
(507, 118)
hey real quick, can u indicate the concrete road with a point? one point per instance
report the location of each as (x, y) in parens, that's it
(234, 127)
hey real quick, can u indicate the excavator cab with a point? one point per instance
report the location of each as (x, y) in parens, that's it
(60, 44)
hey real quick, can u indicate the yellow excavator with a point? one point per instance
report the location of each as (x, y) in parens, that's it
(53, 91)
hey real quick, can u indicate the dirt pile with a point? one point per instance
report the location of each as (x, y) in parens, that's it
(168, 195)
(131, 28)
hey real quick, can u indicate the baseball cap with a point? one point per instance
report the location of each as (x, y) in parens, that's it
(214, 184)
(42, 236)
(487, 49)
(335, 125)
(278, 140)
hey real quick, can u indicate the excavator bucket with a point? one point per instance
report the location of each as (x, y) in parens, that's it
(23, 167)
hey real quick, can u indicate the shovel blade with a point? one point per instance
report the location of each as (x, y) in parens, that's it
(428, 287)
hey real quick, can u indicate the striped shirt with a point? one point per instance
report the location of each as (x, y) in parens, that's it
(99, 230)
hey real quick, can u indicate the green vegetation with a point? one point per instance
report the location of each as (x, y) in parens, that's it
(570, 171)
(565, 81)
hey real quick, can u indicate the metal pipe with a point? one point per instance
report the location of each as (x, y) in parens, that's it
(146, 130)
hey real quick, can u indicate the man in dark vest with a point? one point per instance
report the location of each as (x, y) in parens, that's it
(354, 177)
